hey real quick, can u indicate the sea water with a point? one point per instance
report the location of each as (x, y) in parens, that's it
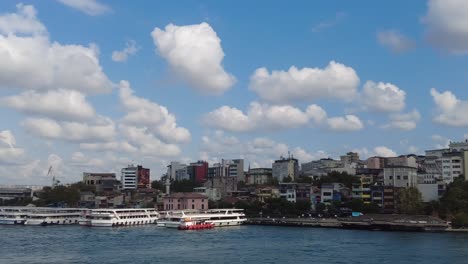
(242, 244)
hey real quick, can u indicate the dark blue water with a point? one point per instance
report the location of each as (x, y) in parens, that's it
(244, 244)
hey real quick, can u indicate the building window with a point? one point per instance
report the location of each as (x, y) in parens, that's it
(193, 206)
(203, 206)
(390, 177)
(178, 206)
(405, 177)
(193, 201)
(398, 177)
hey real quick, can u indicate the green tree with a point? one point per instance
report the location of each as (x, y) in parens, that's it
(455, 199)
(335, 176)
(304, 179)
(357, 205)
(60, 195)
(287, 179)
(460, 220)
(409, 201)
(158, 185)
(371, 208)
(240, 185)
(184, 185)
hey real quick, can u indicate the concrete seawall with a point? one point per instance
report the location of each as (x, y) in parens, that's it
(368, 222)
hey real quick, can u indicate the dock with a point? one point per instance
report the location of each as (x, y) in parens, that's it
(368, 222)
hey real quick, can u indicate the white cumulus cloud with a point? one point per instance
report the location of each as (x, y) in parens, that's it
(395, 41)
(347, 123)
(258, 152)
(89, 7)
(450, 110)
(404, 121)
(383, 97)
(336, 80)
(148, 144)
(272, 117)
(382, 151)
(60, 104)
(446, 25)
(194, 52)
(143, 112)
(101, 129)
(122, 55)
(8, 152)
(26, 50)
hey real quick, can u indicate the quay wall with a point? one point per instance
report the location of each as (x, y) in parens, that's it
(381, 223)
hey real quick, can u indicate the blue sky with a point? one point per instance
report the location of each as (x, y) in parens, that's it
(217, 79)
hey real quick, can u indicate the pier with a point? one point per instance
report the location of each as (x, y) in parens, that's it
(368, 222)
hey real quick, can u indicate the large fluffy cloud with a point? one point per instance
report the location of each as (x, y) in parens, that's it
(90, 7)
(345, 124)
(259, 152)
(143, 112)
(9, 153)
(60, 104)
(336, 80)
(395, 41)
(29, 60)
(404, 121)
(271, 117)
(450, 110)
(147, 143)
(194, 52)
(101, 129)
(383, 97)
(446, 22)
(383, 151)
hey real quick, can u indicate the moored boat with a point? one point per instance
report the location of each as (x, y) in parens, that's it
(122, 217)
(216, 217)
(54, 216)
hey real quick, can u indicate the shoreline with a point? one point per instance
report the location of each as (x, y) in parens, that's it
(379, 223)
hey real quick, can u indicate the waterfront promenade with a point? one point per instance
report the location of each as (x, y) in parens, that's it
(367, 222)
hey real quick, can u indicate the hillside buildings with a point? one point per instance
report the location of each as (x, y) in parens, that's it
(285, 167)
(135, 177)
(102, 182)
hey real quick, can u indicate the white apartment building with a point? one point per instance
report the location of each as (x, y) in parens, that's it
(284, 168)
(400, 176)
(129, 177)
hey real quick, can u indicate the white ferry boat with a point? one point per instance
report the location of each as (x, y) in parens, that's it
(122, 217)
(14, 215)
(217, 217)
(85, 219)
(54, 216)
(226, 217)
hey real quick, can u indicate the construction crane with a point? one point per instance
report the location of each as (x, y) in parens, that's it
(50, 172)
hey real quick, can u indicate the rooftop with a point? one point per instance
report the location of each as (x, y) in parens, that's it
(186, 195)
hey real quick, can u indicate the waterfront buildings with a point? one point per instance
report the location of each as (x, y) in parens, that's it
(183, 201)
(102, 182)
(400, 176)
(198, 171)
(288, 191)
(228, 168)
(135, 177)
(18, 193)
(258, 176)
(285, 167)
(213, 194)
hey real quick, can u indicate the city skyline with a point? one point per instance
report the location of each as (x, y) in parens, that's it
(97, 85)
